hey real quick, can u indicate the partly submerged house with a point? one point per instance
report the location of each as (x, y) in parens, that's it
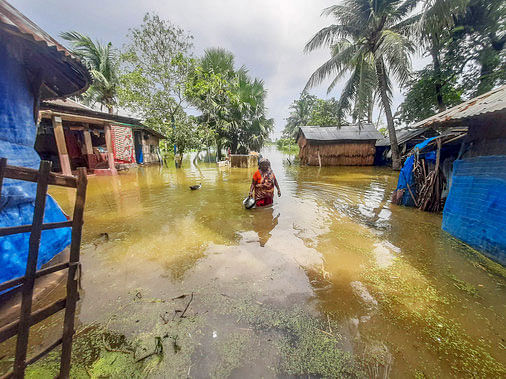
(348, 145)
(72, 135)
(475, 209)
(33, 67)
(406, 139)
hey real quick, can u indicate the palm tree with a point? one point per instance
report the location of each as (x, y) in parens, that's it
(432, 29)
(102, 62)
(300, 114)
(366, 43)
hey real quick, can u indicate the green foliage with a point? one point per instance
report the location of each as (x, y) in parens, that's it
(476, 48)
(154, 69)
(102, 62)
(287, 145)
(325, 113)
(309, 110)
(232, 104)
(421, 98)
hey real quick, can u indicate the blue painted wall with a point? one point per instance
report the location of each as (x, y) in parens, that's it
(475, 210)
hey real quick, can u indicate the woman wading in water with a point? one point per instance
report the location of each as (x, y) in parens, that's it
(263, 183)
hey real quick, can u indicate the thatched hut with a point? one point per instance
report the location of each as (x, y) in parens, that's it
(349, 145)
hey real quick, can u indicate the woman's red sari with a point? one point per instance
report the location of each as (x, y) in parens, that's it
(264, 187)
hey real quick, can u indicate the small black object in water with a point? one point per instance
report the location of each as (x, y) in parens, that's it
(196, 187)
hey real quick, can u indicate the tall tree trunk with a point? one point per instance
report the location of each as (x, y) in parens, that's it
(382, 83)
(370, 109)
(218, 148)
(109, 109)
(436, 63)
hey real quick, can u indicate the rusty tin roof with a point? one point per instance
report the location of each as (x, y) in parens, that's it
(487, 104)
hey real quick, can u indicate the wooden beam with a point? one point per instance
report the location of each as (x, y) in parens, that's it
(31, 175)
(46, 271)
(10, 330)
(74, 117)
(59, 136)
(8, 230)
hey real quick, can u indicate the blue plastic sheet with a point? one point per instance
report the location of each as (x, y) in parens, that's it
(17, 139)
(475, 210)
(406, 174)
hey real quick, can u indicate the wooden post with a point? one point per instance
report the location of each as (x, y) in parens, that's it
(92, 159)
(74, 273)
(110, 154)
(31, 268)
(59, 136)
(319, 159)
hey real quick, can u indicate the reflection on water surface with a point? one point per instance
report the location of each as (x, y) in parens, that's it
(333, 280)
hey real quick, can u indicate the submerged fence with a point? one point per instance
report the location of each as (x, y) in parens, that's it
(25, 284)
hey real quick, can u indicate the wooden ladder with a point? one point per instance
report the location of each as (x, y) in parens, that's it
(21, 327)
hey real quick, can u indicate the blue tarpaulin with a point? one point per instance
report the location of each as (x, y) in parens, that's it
(17, 139)
(475, 210)
(406, 174)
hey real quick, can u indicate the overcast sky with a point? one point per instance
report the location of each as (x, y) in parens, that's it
(267, 36)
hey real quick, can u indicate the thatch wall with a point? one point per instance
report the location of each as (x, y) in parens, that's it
(339, 153)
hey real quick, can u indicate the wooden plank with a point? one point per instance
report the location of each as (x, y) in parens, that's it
(73, 274)
(10, 330)
(31, 175)
(59, 136)
(3, 164)
(46, 271)
(28, 228)
(31, 268)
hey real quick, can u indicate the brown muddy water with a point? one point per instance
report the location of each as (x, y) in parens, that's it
(332, 281)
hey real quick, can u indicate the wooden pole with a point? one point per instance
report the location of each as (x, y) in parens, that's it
(319, 159)
(59, 136)
(73, 274)
(110, 154)
(31, 268)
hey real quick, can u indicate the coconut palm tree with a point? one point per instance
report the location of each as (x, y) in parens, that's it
(367, 45)
(102, 62)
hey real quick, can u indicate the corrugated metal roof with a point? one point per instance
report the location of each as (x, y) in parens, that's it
(15, 23)
(365, 132)
(490, 102)
(402, 136)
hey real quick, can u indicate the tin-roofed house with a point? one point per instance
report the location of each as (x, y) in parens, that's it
(475, 209)
(406, 139)
(72, 135)
(33, 66)
(348, 145)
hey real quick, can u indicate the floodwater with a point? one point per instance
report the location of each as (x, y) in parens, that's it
(331, 281)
